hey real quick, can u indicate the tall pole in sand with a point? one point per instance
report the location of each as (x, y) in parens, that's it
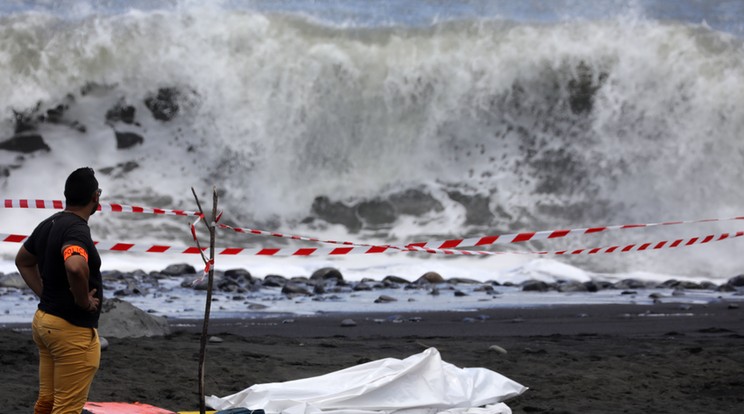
(208, 305)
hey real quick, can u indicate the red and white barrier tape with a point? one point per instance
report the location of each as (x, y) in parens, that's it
(105, 207)
(157, 248)
(485, 240)
(547, 235)
(447, 247)
(296, 237)
(349, 250)
(635, 247)
(441, 244)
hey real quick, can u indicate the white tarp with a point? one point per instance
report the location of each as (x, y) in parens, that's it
(419, 384)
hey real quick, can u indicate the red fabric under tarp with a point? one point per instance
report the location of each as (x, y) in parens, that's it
(124, 408)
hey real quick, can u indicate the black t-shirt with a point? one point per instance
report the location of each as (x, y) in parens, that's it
(46, 243)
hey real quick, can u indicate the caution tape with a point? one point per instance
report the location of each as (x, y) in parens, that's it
(104, 207)
(350, 250)
(548, 235)
(441, 244)
(634, 247)
(158, 248)
(296, 237)
(446, 247)
(485, 240)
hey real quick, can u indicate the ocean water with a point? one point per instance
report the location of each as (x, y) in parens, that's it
(386, 122)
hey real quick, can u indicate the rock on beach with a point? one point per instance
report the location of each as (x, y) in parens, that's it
(120, 319)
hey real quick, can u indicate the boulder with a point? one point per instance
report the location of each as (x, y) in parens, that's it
(535, 286)
(429, 277)
(572, 286)
(126, 140)
(12, 280)
(736, 281)
(362, 287)
(629, 284)
(179, 269)
(238, 275)
(395, 279)
(121, 319)
(26, 143)
(327, 273)
(591, 286)
(201, 282)
(292, 289)
(274, 281)
(734, 284)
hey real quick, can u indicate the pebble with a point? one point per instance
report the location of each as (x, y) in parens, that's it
(348, 323)
(216, 340)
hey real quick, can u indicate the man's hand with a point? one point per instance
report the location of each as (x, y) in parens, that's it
(93, 301)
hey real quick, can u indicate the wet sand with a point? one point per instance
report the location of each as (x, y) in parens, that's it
(664, 358)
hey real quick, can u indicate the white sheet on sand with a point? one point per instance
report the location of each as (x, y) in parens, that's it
(419, 384)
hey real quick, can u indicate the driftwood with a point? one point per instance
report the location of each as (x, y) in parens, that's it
(210, 280)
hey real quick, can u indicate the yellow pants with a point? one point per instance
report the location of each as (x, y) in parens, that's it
(69, 357)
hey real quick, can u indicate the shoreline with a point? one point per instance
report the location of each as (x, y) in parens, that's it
(552, 319)
(591, 358)
(603, 319)
(237, 295)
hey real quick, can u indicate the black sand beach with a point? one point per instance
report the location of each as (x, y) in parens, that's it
(663, 358)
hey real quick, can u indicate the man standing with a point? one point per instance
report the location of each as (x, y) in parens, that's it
(60, 263)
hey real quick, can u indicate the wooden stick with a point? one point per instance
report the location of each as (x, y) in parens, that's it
(208, 305)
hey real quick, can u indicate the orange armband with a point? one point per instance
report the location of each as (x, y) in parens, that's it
(74, 250)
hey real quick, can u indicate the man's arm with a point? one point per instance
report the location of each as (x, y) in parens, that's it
(76, 265)
(27, 267)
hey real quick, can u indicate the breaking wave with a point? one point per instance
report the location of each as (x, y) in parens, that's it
(383, 133)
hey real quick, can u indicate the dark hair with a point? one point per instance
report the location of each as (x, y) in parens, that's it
(80, 186)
